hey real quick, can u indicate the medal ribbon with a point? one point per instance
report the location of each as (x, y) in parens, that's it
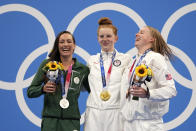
(65, 84)
(139, 62)
(131, 69)
(106, 81)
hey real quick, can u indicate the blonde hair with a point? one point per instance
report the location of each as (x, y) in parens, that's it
(105, 22)
(159, 45)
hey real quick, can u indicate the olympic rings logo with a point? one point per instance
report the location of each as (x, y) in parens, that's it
(20, 83)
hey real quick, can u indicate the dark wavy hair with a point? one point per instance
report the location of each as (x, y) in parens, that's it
(54, 54)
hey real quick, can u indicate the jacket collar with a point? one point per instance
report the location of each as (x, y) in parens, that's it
(76, 64)
(108, 54)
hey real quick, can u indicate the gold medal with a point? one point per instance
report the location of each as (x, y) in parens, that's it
(105, 95)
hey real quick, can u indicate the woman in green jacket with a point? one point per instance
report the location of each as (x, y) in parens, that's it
(60, 79)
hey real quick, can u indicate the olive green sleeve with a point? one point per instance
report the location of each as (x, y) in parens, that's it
(35, 89)
(85, 81)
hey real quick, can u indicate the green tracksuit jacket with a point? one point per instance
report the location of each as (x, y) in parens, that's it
(55, 118)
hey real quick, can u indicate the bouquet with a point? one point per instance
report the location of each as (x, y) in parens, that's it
(142, 73)
(52, 69)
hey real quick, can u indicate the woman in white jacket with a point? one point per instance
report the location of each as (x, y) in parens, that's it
(145, 114)
(106, 69)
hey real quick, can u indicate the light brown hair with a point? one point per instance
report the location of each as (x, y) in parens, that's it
(159, 45)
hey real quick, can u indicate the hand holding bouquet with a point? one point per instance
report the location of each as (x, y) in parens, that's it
(142, 73)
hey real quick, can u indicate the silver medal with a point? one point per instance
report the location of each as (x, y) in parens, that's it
(64, 103)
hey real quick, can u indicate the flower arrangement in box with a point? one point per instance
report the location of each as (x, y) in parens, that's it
(52, 69)
(142, 73)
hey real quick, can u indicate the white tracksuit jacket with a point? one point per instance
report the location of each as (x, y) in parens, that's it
(146, 114)
(104, 115)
